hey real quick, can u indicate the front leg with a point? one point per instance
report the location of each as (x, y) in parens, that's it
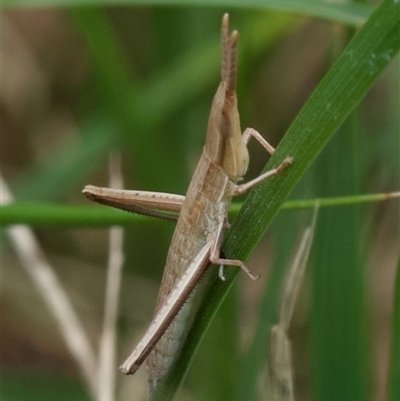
(241, 189)
(251, 132)
(247, 134)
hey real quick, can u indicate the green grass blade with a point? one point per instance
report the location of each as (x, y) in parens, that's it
(349, 13)
(338, 341)
(55, 215)
(113, 81)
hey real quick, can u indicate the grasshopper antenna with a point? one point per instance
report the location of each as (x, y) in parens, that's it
(229, 54)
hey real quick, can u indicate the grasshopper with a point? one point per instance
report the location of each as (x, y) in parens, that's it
(198, 235)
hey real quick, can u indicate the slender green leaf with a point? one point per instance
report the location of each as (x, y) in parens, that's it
(55, 215)
(350, 13)
(338, 335)
(114, 82)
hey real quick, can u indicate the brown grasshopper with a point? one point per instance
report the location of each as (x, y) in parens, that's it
(198, 235)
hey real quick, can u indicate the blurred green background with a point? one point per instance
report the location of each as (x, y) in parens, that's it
(81, 79)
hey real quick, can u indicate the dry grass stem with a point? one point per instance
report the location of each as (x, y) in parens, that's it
(107, 368)
(43, 275)
(280, 366)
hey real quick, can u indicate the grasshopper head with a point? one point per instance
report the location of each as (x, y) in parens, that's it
(224, 143)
